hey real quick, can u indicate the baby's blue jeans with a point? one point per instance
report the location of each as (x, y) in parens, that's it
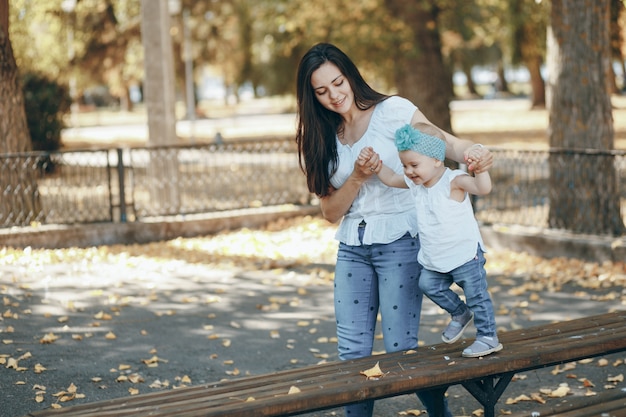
(472, 278)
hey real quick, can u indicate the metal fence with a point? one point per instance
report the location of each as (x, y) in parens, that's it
(125, 185)
(522, 192)
(131, 184)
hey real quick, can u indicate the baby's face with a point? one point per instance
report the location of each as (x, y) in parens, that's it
(419, 168)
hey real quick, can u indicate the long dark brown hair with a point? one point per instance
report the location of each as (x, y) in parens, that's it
(317, 126)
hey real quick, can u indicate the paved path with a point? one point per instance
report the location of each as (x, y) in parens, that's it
(116, 320)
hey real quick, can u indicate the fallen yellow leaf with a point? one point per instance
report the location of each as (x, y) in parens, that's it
(49, 338)
(12, 363)
(102, 316)
(586, 383)
(567, 367)
(517, 399)
(537, 398)
(560, 392)
(617, 378)
(135, 378)
(411, 413)
(374, 372)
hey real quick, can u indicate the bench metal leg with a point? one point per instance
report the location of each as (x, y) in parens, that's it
(437, 401)
(488, 390)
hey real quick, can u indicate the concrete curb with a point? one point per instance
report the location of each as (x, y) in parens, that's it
(555, 243)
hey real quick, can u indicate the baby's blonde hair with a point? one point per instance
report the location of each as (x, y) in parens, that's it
(429, 129)
(423, 138)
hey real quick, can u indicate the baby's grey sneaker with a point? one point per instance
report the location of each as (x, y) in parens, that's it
(457, 326)
(482, 346)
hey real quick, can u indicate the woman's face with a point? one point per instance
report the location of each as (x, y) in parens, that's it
(332, 88)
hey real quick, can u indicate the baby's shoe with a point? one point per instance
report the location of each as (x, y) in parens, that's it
(483, 345)
(457, 326)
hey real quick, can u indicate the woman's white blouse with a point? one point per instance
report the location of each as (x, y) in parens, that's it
(389, 212)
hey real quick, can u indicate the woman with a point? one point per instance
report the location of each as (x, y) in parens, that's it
(338, 115)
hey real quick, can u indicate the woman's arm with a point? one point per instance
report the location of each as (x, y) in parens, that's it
(459, 149)
(338, 201)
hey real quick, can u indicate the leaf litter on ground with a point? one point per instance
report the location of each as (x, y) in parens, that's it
(305, 243)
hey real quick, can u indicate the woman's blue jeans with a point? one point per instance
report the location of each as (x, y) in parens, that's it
(472, 278)
(373, 278)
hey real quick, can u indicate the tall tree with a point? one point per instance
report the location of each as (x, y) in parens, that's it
(420, 72)
(18, 184)
(13, 127)
(583, 183)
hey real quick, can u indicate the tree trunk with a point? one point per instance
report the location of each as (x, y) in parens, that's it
(160, 101)
(471, 85)
(538, 86)
(583, 186)
(421, 75)
(502, 84)
(20, 204)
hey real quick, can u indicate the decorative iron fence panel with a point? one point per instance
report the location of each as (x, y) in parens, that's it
(216, 177)
(61, 188)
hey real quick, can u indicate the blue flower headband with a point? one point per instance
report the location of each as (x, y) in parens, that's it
(410, 139)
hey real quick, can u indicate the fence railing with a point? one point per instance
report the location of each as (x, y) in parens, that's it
(131, 184)
(526, 182)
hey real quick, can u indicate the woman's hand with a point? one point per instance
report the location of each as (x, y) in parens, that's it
(367, 163)
(478, 158)
(337, 203)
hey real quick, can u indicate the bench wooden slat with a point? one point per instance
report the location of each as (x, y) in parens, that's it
(612, 402)
(338, 383)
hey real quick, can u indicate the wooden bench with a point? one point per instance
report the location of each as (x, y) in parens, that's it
(334, 384)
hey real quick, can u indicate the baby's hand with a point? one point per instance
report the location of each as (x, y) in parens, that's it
(365, 155)
(478, 158)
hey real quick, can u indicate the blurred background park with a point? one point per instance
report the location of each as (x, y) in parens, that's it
(116, 111)
(149, 126)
